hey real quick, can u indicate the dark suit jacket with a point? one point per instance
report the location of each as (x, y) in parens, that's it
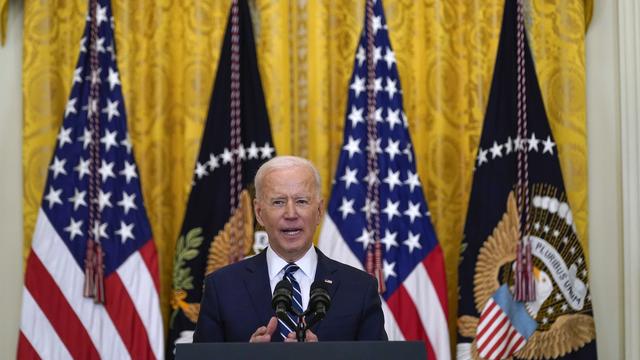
(237, 300)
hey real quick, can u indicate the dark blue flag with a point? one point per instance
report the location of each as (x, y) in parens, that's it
(491, 323)
(218, 226)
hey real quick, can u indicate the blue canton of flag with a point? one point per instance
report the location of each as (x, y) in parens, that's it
(57, 320)
(119, 198)
(413, 264)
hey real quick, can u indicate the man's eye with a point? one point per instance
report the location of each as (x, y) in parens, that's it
(303, 201)
(278, 203)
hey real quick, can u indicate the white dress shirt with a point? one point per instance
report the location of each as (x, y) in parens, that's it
(304, 276)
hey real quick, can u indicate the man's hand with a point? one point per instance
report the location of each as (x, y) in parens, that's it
(263, 333)
(309, 337)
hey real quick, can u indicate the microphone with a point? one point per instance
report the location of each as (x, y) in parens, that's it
(281, 301)
(319, 302)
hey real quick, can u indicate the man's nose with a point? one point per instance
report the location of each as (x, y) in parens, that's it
(290, 210)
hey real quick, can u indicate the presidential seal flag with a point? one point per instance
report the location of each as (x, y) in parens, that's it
(91, 281)
(218, 226)
(377, 217)
(520, 233)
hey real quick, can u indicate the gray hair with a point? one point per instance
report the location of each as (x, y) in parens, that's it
(283, 162)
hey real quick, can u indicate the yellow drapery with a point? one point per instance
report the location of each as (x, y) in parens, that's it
(4, 19)
(167, 52)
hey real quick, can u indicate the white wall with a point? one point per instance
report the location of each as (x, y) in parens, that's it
(11, 182)
(629, 70)
(605, 181)
(605, 209)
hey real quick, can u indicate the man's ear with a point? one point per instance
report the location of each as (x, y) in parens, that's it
(257, 210)
(320, 210)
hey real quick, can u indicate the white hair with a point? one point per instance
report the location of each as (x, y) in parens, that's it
(283, 162)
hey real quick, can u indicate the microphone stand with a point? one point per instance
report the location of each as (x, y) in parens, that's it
(303, 325)
(301, 330)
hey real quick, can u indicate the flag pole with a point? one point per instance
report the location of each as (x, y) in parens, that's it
(374, 251)
(94, 267)
(524, 282)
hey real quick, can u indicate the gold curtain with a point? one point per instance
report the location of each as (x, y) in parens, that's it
(167, 52)
(4, 19)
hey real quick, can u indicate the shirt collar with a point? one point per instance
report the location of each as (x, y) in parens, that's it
(308, 263)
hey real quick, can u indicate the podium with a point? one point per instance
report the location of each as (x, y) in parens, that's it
(339, 350)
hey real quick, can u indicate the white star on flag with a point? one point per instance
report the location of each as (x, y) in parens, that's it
(127, 202)
(111, 109)
(352, 147)
(125, 232)
(109, 139)
(106, 171)
(358, 86)
(391, 209)
(58, 167)
(74, 228)
(347, 207)
(82, 168)
(389, 239)
(78, 199)
(129, 171)
(227, 156)
(349, 177)
(64, 136)
(113, 78)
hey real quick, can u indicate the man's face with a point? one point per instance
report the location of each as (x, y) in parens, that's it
(289, 209)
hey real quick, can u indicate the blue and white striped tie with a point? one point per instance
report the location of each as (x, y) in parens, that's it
(296, 304)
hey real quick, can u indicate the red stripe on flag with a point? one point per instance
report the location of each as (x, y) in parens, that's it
(516, 345)
(126, 319)
(149, 255)
(499, 338)
(491, 304)
(406, 314)
(434, 263)
(25, 350)
(54, 305)
(487, 322)
(494, 332)
(512, 332)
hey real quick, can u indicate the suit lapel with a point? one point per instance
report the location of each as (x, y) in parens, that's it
(326, 272)
(257, 283)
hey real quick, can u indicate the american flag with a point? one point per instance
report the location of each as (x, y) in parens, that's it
(414, 300)
(504, 326)
(58, 321)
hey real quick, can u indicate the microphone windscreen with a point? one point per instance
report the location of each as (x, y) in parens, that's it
(319, 293)
(320, 285)
(282, 295)
(283, 284)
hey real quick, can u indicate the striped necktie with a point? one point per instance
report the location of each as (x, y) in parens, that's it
(296, 304)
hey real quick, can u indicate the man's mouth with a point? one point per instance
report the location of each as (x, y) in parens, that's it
(291, 231)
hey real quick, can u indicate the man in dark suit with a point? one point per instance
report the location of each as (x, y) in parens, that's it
(236, 302)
